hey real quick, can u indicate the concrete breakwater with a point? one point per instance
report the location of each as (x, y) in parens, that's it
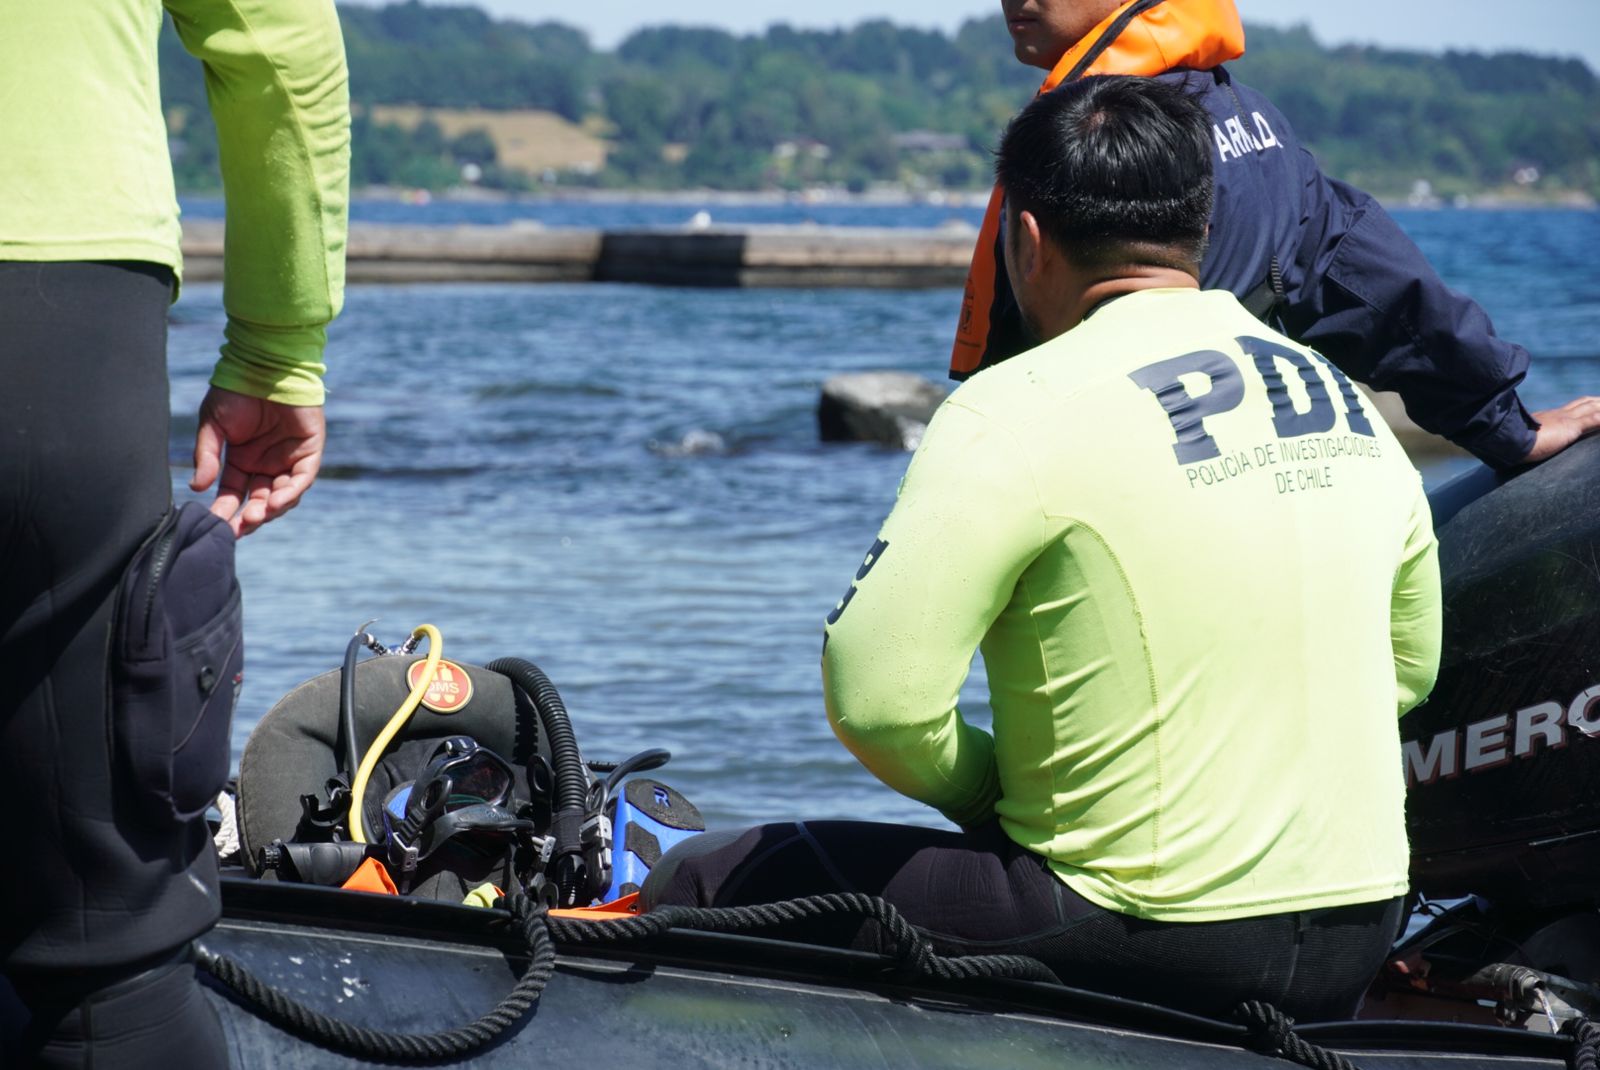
(804, 256)
(888, 408)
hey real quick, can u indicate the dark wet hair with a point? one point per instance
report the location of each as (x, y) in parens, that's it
(1115, 169)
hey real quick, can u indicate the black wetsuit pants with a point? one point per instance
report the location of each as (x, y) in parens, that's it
(978, 893)
(97, 904)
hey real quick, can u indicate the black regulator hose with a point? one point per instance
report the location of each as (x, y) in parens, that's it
(347, 703)
(572, 876)
(642, 762)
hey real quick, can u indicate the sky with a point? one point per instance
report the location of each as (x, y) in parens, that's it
(1557, 27)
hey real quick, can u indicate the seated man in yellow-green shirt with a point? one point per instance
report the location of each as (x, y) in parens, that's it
(1203, 578)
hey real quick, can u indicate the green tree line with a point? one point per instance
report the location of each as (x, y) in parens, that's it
(880, 103)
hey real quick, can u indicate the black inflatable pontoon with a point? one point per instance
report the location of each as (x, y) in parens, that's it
(691, 1000)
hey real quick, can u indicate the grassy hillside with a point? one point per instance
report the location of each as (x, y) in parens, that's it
(525, 140)
(676, 107)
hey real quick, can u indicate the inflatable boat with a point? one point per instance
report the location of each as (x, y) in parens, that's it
(1502, 762)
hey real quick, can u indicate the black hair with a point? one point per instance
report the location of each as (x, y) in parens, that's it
(1115, 169)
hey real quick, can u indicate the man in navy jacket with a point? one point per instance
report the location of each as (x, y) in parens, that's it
(1314, 257)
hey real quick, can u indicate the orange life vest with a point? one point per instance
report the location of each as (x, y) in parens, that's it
(1142, 37)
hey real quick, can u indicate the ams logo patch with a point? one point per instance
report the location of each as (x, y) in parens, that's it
(450, 689)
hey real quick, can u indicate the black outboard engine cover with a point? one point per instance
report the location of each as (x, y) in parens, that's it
(1503, 760)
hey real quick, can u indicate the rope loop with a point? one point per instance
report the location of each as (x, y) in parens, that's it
(296, 1018)
(909, 949)
(1585, 1044)
(1272, 1033)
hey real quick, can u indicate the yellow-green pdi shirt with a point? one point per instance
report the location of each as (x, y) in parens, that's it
(1204, 578)
(85, 175)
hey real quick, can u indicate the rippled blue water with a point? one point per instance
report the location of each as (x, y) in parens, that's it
(623, 484)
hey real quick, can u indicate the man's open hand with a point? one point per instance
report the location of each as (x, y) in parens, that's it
(1560, 428)
(268, 455)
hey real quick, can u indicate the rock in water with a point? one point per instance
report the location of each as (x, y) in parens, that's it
(892, 408)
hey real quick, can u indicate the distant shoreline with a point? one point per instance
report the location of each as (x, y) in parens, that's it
(1492, 200)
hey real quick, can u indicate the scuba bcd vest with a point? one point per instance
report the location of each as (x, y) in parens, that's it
(482, 785)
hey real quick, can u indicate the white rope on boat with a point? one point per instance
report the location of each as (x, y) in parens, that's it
(227, 836)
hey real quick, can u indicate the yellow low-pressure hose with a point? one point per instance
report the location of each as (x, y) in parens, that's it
(369, 761)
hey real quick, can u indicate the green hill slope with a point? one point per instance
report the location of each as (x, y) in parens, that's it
(880, 103)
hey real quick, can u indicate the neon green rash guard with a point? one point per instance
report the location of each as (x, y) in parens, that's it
(1205, 583)
(85, 173)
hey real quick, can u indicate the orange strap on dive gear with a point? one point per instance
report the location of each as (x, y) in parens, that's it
(371, 876)
(626, 906)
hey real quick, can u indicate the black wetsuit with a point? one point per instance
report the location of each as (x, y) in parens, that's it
(99, 901)
(973, 893)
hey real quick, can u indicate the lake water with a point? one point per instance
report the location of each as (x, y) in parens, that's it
(624, 484)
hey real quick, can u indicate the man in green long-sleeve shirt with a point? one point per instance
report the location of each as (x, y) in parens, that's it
(110, 740)
(1203, 577)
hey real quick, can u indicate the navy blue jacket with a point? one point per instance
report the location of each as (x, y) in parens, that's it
(1325, 264)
